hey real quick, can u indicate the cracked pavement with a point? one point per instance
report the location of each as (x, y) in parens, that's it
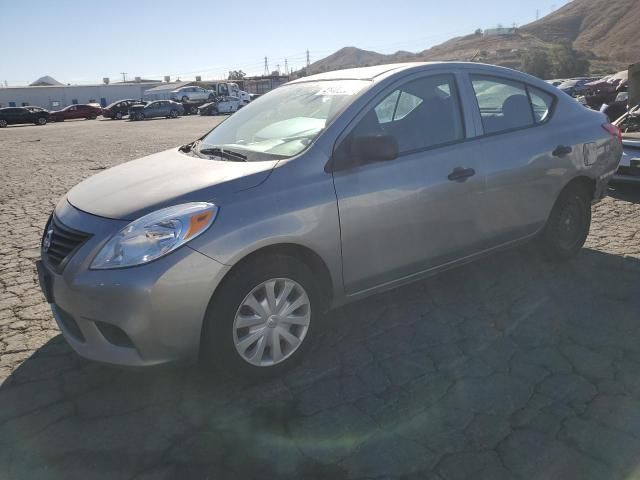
(505, 368)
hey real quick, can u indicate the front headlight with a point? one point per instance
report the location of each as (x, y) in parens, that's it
(155, 235)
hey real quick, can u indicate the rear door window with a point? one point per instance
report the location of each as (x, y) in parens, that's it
(504, 104)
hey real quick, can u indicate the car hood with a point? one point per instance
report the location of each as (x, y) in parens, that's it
(136, 188)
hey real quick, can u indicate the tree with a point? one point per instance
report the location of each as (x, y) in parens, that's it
(236, 75)
(567, 62)
(538, 63)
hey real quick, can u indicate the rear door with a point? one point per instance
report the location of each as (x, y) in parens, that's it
(517, 148)
(402, 217)
(11, 115)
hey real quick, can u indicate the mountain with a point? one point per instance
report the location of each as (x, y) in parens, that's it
(606, 30)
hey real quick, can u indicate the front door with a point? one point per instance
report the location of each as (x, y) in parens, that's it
(405, 216)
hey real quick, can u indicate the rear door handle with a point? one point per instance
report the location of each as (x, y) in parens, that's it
(561, 151)
(460, 174)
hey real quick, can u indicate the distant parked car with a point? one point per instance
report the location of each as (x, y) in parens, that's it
(629, 168)
(575, 86)
(14, 115)
(90, 112)
(119, 109)
(617, 108)
(221, 105)
(160, 108)
(190, 94)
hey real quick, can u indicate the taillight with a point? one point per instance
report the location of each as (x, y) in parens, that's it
(613, 130)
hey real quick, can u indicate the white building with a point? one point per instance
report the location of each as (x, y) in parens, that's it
(500, 31)
(54, 97)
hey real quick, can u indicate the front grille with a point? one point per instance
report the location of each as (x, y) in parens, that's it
(62, 243)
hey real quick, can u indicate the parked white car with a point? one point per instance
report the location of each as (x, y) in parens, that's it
(190, 94)
(221, 105)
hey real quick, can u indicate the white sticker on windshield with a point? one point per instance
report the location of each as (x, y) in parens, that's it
(340, 88)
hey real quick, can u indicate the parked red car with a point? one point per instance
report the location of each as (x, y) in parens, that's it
(90, 112)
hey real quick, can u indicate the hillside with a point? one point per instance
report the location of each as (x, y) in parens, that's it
(606, 30)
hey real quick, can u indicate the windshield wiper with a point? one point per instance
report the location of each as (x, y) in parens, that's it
(223, 152)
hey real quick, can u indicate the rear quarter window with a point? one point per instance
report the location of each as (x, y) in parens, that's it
(542, 104)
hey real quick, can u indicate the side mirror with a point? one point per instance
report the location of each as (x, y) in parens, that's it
(363, 149)
(374, 148)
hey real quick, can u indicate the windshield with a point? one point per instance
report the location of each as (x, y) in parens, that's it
(284, 122)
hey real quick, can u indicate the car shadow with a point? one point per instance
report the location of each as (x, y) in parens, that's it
(501, 367)
(625, 191)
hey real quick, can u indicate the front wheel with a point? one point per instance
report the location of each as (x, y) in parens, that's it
(3, 123)
(41, 121)
(140, 116)
(568, 225)
(185, 99)
(262, 319)
(173, 114)
(118, 116)
(92, 116)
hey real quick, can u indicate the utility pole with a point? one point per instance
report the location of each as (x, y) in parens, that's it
(124, 76)
(278, 68)
(308, 58)
(286, 67)
(537, 14)
(266, 67)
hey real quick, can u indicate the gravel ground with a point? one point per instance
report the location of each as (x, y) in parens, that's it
(506, 368)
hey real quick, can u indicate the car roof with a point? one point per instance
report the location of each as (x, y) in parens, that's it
(382, 71)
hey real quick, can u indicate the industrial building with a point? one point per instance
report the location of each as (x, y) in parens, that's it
(50, 94)
(53, 95)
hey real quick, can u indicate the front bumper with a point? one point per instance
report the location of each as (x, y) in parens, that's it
(137, 316)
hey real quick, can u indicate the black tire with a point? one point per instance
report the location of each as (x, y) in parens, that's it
(211, 97)
(568, 224)
(3, 124)
(140, 116)
(173, 114)
(185, 99)
(218, 350)
(92, 116)
(118, 116)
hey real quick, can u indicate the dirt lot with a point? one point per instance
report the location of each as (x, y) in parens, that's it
(507, 368)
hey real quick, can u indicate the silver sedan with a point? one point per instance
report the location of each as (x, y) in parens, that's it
(326, 190)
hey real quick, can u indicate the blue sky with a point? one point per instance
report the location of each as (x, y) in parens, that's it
(81, 41)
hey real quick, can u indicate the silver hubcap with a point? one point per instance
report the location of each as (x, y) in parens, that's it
(271, 322)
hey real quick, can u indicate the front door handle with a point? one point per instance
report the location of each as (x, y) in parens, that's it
(561, 151)
(460, 174)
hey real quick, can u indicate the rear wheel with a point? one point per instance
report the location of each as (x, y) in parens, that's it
(41, 121)
(118, 116)
(92, 116)
(140, 116)
(3, 123)
(173, 114)
(262, 319)
(568, 225)
(185, 99)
